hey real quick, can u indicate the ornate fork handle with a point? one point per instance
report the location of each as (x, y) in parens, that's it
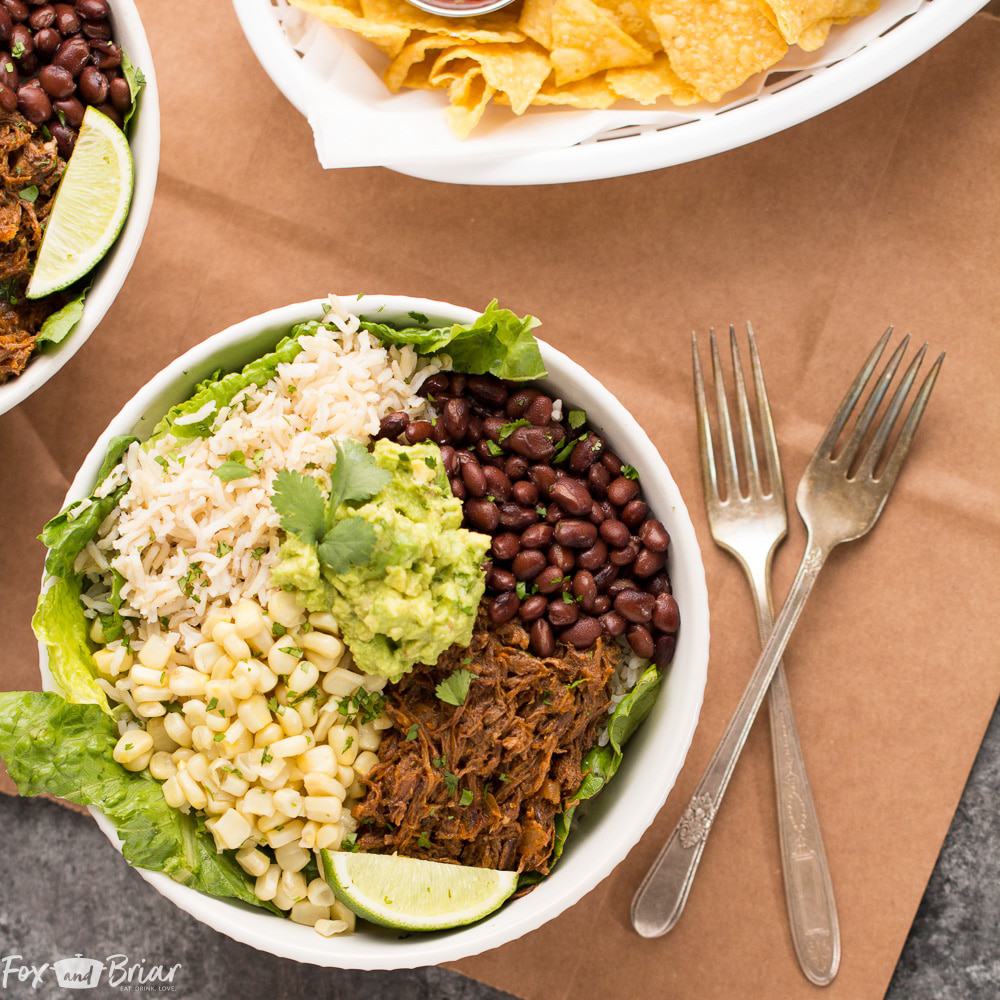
(661, 896)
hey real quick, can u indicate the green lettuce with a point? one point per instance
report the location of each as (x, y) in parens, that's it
(497, 342)
(136, 80)
(52, 746)
(601, 763)
(67, 534)
(220, 389)
(60, 324)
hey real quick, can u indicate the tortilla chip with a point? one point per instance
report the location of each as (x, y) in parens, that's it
(813, 18)
(390, 38)
(716, 45)
(586, 40)
(403, 70)
(499, 27)
(591, 93)
(536, 21)
(632, 16)
(646, 84)
(469, 95)
(518, 71)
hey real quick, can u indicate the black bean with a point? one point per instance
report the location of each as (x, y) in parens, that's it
(602, 604)
(583, 634)
(583, 456)
(541, 639)
(660, 584)
(575, 534)
(108, 110)
(572, 496)
(549, 580)
(94, 87)
(533, 443)
(435, 385)
(475, 429)
(534, 607)
(29, 64)
(562, 557)
(515, 467)
(121, 96)
(641, 641)
(56, 81)
(625, 556)
(517, 518)
(457, 488)
(544, 477)
(605, 577)
(34, 103)
(528, 564)
(557, 432)
(614, 532)
(612, 624)
(648, 563)
(539, 411)
(6, 23)
(487, 389)
(42, 17)
(474, 479)
(69, 111)
(594, 558)
(449, 459)
(65, 139)
(654, 536)
(96, 29)
(500, 579)
(67, 22)
(562, 613)
(456, 384)
(612, 463)
(634, 513)
(93, 10)
(600, 512)
(22, 40)
(491, 428)
(418, 430)
(73, 55)
(482, 515)
(585, 589)
(622, 490)
(663, 651)
(635, 605)
(503, 607)
(455, 413)
(525, 493)
(666, 614)
(497, 482)
(536, 536)
(17, 9)
(9, 75)
(506, 545)
(392, 424)
(554, 514)
(518, 402)
(623, 583)
(8, 98)
(597, 479)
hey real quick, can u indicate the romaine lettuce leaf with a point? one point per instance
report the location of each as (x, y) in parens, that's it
(60, 623)
(220, 389)
(136, 80)
(59, 325)
(498, 342)
(50, 745)
(69, 531)
(601, 763)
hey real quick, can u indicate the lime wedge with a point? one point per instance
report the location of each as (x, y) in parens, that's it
(414, 895)
(90, 206)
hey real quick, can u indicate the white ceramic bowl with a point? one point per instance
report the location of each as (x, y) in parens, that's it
(616, 819)
(111, 272)
(801, 86)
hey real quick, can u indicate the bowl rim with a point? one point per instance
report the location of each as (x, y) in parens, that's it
(732, 127)
(257, 927)
(114, 268)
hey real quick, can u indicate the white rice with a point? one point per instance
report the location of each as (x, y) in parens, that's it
(622, 681)
(182, 538)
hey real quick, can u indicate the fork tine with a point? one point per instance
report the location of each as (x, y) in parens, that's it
(902, 445)
(872, 404)
(706, 451)
(877, 445)
(767, 435)
(745, 419)
(825, 448)
(730, 473)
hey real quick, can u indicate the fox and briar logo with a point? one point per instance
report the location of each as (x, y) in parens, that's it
(81, 973)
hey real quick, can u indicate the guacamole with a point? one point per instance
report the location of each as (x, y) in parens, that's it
(420, 590)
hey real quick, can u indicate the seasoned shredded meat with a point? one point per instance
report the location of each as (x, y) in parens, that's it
(482, 783)
(27, 161)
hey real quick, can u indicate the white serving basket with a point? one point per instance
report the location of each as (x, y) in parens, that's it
(333, 78)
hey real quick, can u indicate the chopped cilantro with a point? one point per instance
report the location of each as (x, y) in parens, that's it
(576, 683)
(412, 732)
(454, 689)
(230, 470)
(17, 49)
(223, 549)
(424, 841)
(440, 762)
(29, 194)
(507, 429)
(278, 630)
(504, 778)
(266, 757)
(418, 317)
(257, 553)
(290, 650)
(630, 472)
(219, 737)
(429, 462)
(349, 843)
(451, 782)
(542, 511)
(493, 448)
(465, 799)
(576, 419)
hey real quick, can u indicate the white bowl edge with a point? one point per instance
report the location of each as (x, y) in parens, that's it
(646, 777)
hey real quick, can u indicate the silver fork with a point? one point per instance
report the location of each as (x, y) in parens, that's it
(838, 503)
(749, 522)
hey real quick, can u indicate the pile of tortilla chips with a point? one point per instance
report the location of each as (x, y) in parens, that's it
(586, 53)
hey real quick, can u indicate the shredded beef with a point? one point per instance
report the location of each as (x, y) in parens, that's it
(511, 753)
(27, 161)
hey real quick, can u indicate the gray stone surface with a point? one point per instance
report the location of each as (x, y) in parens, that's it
(65, 890)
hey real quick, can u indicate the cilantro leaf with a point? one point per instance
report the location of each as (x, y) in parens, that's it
(299, 501)
(355, 477)
(630, 472)
(466, 798)
(454, 689)
(349, 542)
(507, 429)
(230, 470)
(412, 732)
(576, 419)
